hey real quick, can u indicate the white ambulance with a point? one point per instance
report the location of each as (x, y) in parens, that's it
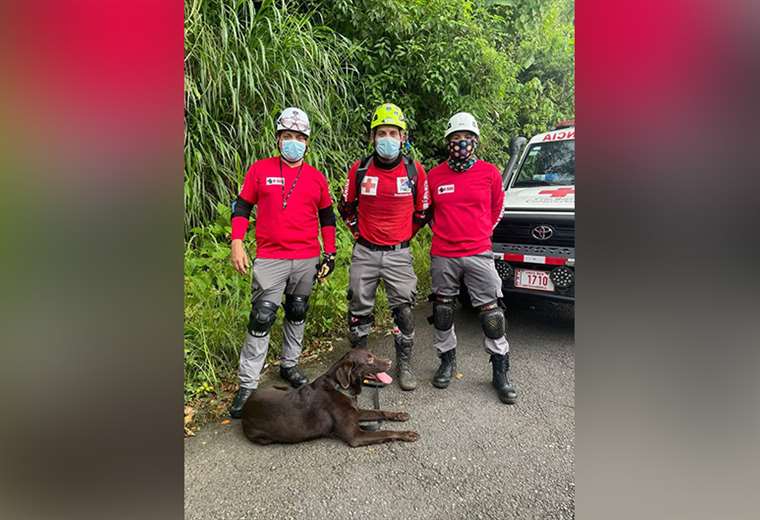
(534, 243)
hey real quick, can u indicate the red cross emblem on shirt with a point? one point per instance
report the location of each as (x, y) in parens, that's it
(561, 192)
(369, 186)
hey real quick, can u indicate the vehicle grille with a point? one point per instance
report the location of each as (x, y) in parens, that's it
(519, 232)
(529, 249)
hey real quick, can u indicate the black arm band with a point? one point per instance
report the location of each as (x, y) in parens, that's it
(327, 216)
(241, 208)
(422, 217)
(347, 210)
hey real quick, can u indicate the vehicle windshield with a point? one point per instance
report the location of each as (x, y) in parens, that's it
(548, 164)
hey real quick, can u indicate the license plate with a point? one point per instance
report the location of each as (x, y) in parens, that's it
(530, 279)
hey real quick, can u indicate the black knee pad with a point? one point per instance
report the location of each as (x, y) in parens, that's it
(493, 321)
(443, 312)
(354, 320)
(295, 308)
(262, 318)
(403, 318)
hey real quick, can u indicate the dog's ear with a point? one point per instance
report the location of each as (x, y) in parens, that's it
(344, 374)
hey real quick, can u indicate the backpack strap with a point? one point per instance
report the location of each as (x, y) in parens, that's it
(349, 211)
(361, 171)
(411, 173)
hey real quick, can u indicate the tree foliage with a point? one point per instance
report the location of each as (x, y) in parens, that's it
(243, 65)
(508, 62)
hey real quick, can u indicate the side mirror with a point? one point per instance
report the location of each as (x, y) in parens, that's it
(516, 145)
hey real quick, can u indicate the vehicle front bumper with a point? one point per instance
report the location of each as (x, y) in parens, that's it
(541, 258)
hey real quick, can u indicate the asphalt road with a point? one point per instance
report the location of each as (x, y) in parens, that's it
(476, 457)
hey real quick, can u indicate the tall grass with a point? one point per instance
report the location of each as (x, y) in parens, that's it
(242, 67)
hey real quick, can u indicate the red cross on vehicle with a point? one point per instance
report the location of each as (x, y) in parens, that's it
(368, 185)
(561, 192)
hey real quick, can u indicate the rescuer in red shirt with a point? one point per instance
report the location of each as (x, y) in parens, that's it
(466, 197)
(383, 205)
(293, 205)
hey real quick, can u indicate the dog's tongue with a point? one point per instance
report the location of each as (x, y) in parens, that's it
(384, 378)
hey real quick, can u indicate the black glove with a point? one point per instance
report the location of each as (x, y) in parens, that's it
(326, 266)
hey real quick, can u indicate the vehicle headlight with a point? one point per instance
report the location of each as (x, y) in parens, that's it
(504, 269)
(562, 277)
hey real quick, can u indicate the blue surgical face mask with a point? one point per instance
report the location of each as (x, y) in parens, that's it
(387, 147)
(293, 150)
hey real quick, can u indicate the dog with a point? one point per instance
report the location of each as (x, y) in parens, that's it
(320, 409)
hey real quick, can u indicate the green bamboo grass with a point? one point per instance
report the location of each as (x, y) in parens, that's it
(242, 67)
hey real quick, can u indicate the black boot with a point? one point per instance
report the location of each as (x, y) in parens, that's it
(236, 409)
(448, 367)
(500, 381)
(406, 378)
(293, 376)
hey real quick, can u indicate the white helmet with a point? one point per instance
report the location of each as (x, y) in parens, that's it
(460, 122)
(295, 119)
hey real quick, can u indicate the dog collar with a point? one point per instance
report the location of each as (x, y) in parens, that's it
(343, 391)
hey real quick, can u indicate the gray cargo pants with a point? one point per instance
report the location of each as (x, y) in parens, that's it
(272, 277)
(368, 267)
(483, 284)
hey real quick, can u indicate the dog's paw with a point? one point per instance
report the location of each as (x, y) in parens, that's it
(409, 436)
(400, 417)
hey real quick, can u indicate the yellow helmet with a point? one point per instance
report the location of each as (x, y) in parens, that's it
(388, 114)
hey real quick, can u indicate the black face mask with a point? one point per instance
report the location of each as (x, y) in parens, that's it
(462, 154)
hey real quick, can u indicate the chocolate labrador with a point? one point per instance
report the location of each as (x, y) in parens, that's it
(321, 409)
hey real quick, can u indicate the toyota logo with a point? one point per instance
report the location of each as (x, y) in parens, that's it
(542, 232)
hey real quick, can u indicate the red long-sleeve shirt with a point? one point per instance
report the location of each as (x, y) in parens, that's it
(385, 202)
(291, 232)
(465, 207)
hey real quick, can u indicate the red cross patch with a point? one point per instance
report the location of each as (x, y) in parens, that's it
(369, 185)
